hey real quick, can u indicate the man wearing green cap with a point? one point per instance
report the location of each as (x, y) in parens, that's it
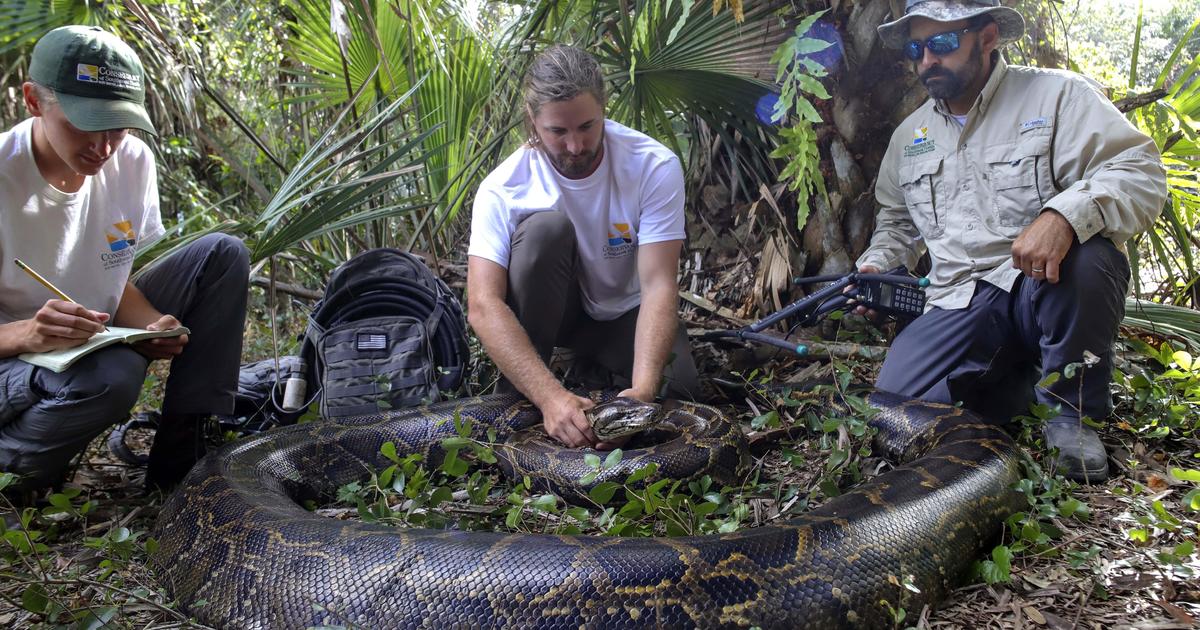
(1023, 185)
(78, 196)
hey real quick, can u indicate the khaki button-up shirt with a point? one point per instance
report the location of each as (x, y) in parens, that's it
(1035, 139)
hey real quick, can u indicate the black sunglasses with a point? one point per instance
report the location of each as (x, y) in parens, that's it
(940, 44)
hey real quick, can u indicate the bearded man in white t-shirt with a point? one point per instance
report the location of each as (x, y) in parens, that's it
(78, 197)
(575, 242)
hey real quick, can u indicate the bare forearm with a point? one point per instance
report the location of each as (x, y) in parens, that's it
(12, 339)
(656, 327)
(510, 348)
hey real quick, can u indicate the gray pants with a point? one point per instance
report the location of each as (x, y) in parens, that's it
(991, 354)
(47, 417)
(543, 292)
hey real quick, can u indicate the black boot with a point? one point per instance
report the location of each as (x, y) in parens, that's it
(1081, 456)
(179, 443)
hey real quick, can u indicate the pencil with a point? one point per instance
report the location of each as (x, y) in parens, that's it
(44, 282)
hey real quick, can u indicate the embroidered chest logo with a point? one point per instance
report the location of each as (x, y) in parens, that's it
(921, 143)
(121, 241)
(619, 242)
(1036, 123)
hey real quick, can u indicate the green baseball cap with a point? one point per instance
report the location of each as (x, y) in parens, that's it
(97, 78)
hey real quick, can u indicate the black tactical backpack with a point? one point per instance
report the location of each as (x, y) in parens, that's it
(387, 334)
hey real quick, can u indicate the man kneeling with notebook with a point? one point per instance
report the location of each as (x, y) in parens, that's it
(78, 196)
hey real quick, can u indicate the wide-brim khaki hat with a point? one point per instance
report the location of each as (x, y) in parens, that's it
(1012, 25)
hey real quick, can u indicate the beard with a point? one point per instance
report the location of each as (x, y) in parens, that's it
(943, 84)
(575, 165)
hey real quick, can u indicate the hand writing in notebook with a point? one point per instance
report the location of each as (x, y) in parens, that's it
(62, 324)
(163, 347)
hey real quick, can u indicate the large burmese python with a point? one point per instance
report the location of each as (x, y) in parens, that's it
(237, 550)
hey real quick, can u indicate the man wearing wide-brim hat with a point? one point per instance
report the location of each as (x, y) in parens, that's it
(78, 198)
(1023, 185)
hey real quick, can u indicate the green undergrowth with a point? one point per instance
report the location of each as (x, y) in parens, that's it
(466, 491)
(82, 560)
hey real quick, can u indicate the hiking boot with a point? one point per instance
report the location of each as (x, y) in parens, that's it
(1081, 456)
(179, 443)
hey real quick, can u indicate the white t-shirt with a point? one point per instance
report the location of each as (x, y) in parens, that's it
(635, 197)
(82, 242)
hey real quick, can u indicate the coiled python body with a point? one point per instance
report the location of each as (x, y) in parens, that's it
(237, 551)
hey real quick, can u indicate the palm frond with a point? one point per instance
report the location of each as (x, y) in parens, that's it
(1164, 320)
(347, 178)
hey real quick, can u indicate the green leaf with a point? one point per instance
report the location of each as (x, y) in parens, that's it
(603, 492)
(1183, 360)
(455, 442)
(642, 473)
(385, 477)
(34, 599)
(1186, 475)
(592, 460)
(97, 618)
(769, 419)
(1003, 556)
(1072, 506)
(809, 45)
(1049, 380)
(513, 518)
(1192, 500)
(546, 502)
(440, 495)
(813, 86)
(588, 477)
(1139, 536)
(389, 451)
(989, 572)
(614, 458)
(452, 465)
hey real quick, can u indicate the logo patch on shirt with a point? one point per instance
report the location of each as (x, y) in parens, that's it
(121, 241)
(921, 143)
(620, 243)
(124, 239)
(1036, 123)
(913, 150)
(622, 235)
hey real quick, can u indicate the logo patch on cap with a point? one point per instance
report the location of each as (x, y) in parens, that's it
(86, 72)
(104, 75)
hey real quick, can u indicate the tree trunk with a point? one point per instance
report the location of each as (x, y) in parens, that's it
(874, 90)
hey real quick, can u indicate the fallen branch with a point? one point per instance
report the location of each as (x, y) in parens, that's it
(1137, 101)
(294, 290)
(712, 307)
